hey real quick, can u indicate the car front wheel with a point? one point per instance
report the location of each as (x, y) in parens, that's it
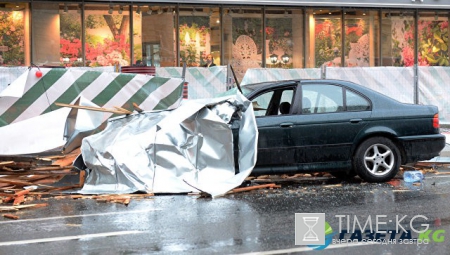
(377, 160)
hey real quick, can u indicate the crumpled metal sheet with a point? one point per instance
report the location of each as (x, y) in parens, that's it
(80, 123)
(182, 150)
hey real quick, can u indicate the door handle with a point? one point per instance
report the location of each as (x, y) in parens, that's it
(286, 124)
(355, 120)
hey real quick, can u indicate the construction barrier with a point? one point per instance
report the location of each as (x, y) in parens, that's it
(203, 82)
(39, 92)
(397, 82)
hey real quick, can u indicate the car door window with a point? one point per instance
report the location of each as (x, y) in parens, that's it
(261, 103)
(285, 102)
(322, 98)
(274, 102)
(356, 102)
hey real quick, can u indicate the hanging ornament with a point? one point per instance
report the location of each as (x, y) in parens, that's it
(38, 73)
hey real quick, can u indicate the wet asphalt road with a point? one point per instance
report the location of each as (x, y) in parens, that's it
(260, 222)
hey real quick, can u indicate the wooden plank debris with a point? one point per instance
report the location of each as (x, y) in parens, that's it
(19, 200)
(255, 187)
(125, 111)
(6, 163)
(98, 109)
(11, 216)
(21, 173)
(440, 173)
(18, 207)
(137, 108)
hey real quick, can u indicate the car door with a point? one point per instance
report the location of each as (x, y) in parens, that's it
(275, 138)
(331, 116)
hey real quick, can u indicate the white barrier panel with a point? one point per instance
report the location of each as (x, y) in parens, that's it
(9, 74)
(202, 82)
(434, 88)
(396, 82)
(256, 75)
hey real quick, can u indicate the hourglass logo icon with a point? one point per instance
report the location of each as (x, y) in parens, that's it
(310, 234)
(309, 228)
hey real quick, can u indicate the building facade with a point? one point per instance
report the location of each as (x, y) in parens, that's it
(253, 34)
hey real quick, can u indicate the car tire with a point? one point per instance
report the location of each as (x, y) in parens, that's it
(377, 160)
(344, 175)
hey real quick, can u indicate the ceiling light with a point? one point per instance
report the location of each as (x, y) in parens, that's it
(66, 8)
(285, 58)
(120, 9)
(138, 10)
(110, 11)
(160, 10)
(149, 12)
(273, 58)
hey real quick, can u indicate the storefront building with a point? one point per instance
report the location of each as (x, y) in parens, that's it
(275, 34)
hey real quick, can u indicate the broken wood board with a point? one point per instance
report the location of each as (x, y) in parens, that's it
(255, 187)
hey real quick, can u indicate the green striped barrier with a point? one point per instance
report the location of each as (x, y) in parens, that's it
(105, 89)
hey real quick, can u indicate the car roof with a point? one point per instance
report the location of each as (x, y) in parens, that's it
(374, 95)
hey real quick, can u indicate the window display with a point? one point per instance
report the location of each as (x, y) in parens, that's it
(12, 34)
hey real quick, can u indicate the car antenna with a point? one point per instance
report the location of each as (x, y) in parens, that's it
(235, 79)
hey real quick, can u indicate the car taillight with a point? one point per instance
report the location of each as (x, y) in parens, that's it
(436, 121)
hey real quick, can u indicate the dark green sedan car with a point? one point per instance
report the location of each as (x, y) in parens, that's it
(339, 127)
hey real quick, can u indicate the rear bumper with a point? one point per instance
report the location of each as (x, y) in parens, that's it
(424, 147)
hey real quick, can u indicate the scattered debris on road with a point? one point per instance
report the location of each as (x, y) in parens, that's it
(27, 179)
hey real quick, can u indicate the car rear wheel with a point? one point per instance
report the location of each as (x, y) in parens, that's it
(377, 160)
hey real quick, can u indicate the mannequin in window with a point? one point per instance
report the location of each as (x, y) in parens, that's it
(209, 61)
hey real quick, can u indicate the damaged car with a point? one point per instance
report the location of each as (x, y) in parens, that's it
(338, 127)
